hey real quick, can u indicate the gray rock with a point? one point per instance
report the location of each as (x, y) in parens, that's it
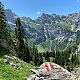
(54, 72)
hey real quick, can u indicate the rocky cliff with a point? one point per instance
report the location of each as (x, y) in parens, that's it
(50, 31)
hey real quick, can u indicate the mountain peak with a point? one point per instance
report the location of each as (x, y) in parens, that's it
(10, 15)
(26, 18)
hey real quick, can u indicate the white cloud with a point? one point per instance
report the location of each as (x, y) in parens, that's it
(38, 12)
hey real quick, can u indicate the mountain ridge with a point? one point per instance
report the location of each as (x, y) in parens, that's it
(49, 29)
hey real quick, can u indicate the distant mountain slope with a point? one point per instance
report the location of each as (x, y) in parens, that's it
(49, 31)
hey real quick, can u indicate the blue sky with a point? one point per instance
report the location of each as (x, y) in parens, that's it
(34, 8)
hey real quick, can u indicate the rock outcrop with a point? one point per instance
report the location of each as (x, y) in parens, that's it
(51, 71)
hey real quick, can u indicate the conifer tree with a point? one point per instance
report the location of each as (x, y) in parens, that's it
(46, 55)
(40, 58)
(5, 33)
(23, 49)
(3, 21)
(36, 57)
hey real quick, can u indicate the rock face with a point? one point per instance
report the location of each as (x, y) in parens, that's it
(50, 31)
(10, 16)
(76, 72)
(51, 71)
(15, 65)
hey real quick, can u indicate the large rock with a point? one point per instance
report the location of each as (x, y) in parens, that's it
(51, 71)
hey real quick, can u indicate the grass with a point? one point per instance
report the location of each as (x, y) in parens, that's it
(9, 72)
(41, 49)
(51, 59)
(65, 26)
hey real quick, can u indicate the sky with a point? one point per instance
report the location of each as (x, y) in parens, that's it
(34, 8)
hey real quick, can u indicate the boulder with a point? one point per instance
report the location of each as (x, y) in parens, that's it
(51, 71)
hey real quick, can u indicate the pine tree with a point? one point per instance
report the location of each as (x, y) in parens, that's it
(48, 59)
(4, 32)
(3, 21)
(5, 35)
(72, 58)
(23, 49)
(46, 55)
(36, 57)
(53, 52)
(40, 58)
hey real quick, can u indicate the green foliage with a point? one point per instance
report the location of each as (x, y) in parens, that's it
(25, 52)
(2, 17)
(3, 51)
(65, 26)
(66, 59)
(3, 22)
(22, 50)
(48, 59)
(41, 49)
(8, 72)
(47, 44)
(4, 32)
(35, 55)
(40, 58)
